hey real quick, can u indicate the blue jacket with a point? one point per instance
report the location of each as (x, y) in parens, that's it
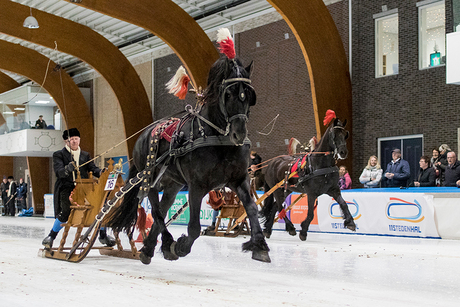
(22, 190)
(401, 170)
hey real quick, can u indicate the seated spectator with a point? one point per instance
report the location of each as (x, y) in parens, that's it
(442, 160)
(372, 174)
(452, 174)
(434, 159)
(426, 176)
(397, 172)
(344, 178)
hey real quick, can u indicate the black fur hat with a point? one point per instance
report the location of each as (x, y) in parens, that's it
(70, 133)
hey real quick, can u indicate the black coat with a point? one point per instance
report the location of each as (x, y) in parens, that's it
(426, 177)
(452, 174)
(61, 158)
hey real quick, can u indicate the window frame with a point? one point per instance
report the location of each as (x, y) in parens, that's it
(421, 6)
(378, 18)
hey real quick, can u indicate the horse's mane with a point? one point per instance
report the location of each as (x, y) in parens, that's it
(221, 69)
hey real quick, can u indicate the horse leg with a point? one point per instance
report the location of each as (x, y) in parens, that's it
(348, 218)
(150, 242)
(167, 246)
(290, 228)
(257, 244)
(184, 243)
(310, 215)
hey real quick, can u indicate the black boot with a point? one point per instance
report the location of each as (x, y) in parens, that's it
(48, 241)
(212, 227)
(106, 239)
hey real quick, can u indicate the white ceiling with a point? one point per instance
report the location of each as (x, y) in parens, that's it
(133, 40)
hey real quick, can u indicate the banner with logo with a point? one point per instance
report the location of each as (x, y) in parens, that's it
(392, 213)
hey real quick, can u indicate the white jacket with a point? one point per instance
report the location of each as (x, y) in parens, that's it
(368, 173)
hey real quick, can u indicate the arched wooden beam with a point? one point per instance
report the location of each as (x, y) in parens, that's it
(7, 83)
(322, 47)
(169, 22)
(29, 63)
(92, 48)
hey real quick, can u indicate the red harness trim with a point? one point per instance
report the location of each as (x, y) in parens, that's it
(168, 129)
(295, 165)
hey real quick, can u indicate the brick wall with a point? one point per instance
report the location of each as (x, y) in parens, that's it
(412, 102)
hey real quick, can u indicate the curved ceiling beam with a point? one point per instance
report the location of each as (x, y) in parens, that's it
(324, 54)
(29, 63)
(7, 83)
(92, 48)
(169, 22)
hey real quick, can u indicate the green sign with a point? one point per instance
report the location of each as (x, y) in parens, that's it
(184, 218)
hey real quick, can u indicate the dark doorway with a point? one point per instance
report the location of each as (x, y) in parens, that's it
(411, 151)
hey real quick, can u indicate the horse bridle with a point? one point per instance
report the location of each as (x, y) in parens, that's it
(331, 139)
(241, 96)
(226, 84)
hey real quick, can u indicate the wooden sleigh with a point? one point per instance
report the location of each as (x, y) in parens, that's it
(87, 199)
(232, 209)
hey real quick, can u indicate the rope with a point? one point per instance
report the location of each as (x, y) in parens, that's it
(113, 147)
(261, 166)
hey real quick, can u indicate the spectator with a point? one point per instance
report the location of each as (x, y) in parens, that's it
(397, 172)
(452, 174)
(426, 176)
(40, 123)
(434, 159)
(344, 178)
(22, 195)
(442, 161)
(4, 187)
(372, 173)
(256, 171)
(11, 195)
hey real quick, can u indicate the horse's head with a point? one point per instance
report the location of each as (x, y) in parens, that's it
(337, 138)
(229, 85)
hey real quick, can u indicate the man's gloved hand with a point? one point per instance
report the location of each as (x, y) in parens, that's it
(70, 167)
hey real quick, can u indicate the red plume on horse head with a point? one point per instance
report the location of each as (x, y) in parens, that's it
(330, 115)
(178, 85)
(225, 41)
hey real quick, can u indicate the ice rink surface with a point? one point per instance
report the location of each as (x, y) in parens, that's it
(326, 270)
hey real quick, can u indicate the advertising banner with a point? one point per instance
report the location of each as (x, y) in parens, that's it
(398, 214)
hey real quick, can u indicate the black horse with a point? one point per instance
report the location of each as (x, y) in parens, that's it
(318, 176)
(209, 150)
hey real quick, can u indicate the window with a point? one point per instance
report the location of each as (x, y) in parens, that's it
(386, 46)
(456, 11)
(432, 33)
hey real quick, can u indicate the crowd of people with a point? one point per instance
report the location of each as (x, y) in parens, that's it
(442, 169)
(14, 196)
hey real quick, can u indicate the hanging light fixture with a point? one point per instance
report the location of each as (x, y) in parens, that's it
(30, 22)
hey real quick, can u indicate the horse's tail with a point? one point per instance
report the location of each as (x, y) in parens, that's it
(124, 216)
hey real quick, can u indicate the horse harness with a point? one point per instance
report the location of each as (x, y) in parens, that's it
(180, 144)
(308, 171)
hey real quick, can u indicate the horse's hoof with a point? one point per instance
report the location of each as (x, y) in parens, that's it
(144, 258)
(171, 254)
(267, 235)
(292, 232)
(302, 237)
(261, 256)
(351, 225)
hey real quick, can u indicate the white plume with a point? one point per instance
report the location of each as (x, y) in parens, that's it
(222, 34)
